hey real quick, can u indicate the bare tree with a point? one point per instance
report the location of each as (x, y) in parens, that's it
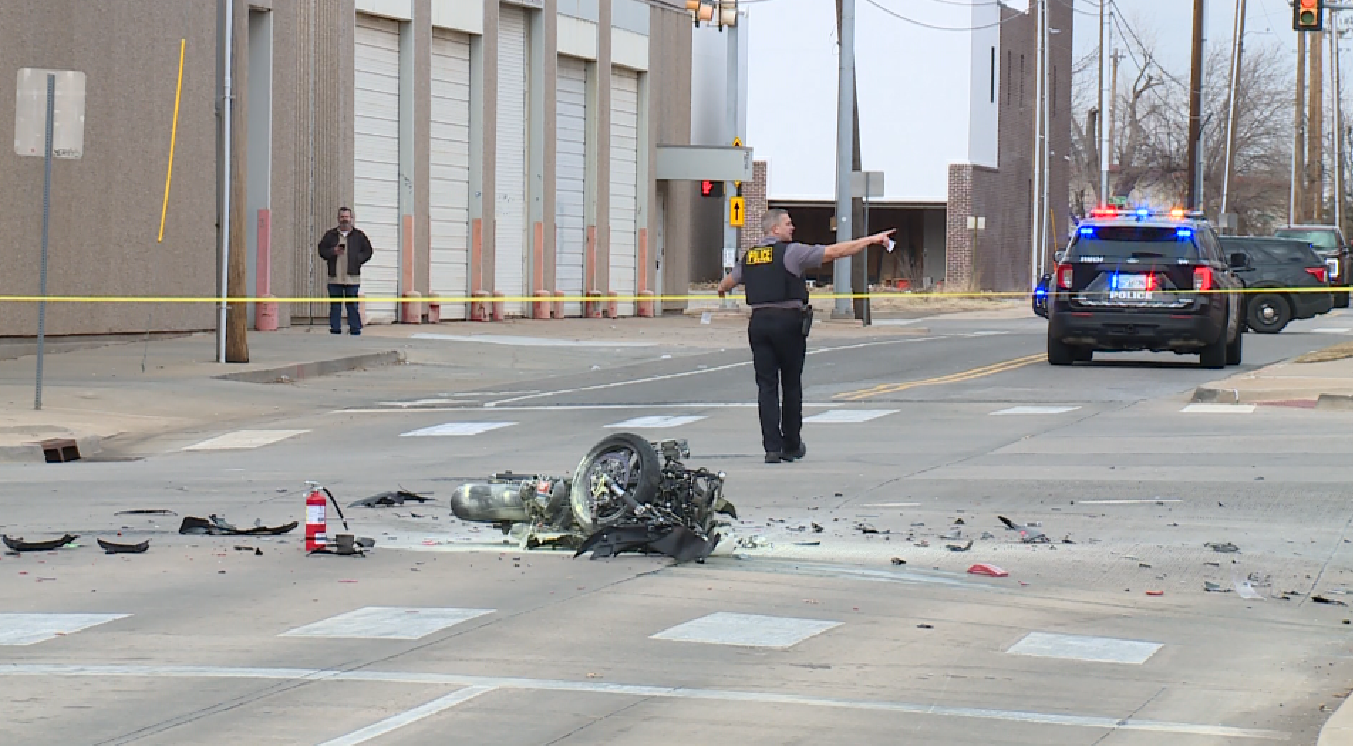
(1149, 163)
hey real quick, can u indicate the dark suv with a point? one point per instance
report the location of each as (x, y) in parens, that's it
(1276, 264)
(1328, 241)
(1139, 280)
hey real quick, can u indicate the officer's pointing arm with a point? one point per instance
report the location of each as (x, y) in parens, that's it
(851, 248)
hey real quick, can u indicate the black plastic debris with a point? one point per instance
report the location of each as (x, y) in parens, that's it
(865, 528)
(925, 626)
(19, 545)
(112, 548)
(385, 499)
(255, 550)
(1227, 548)
(899, 561)
(817, 528)
(1329, 601)
(960, 547)
(155, 511)
(675, 541)
(217, 526)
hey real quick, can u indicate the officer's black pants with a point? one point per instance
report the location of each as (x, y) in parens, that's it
(778, 348)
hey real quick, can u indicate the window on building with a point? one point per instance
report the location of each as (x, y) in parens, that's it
(1009, 71)
(993, 75)
(1021, 81)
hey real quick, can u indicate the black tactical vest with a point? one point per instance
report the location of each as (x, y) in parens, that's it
(767, 279)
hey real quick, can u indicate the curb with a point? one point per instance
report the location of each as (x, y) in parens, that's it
(1338, 730)
(1209, 395)
(31, 453)
(299, 371)
(1337, 402)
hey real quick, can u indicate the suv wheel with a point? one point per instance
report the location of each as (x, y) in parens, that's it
(1234, 349)
(1059, 352)
(1083, 354)
(1214, 355)
(1269, 313)
(1341, 299)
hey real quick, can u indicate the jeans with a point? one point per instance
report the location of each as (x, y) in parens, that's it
(336, 309)
(778, 350)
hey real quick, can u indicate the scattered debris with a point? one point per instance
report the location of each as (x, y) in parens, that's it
(1155, 593)
(988, 570)
(925, 626)
(918, 525)
(817, 529)
(146, 512)
(1211, 587)
(1142, 564)
(1212, 564)
(1245, 590)
(1227, 548)
(753, 542)
(922, 543)
(111, 548)
(255, 550)
(953, 534)
(217, 526)
(865, 528)
(960, 547)
(898, 561)
(1067, 539)
(19, 545)
(959, 522)
(807, 543)
(1330, 601)
(988, 535)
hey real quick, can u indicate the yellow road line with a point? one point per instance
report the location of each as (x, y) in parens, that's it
(967, 375)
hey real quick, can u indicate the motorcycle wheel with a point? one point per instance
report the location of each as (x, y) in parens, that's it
(623, 459)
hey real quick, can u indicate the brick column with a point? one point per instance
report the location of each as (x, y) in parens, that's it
(958, 240)
(754, 192)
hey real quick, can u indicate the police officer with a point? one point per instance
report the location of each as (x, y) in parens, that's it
(778, 330)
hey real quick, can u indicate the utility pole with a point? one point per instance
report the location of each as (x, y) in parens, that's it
(237, 314)
(1335, 34)
(1237, 61)
(1296, 204)
(1113, 104)
(1315, 141)
(845, 135)
(1194, 190)
(1035, 244)
(1103, 131)
(733, 82)
(859, 269)
(1048, 228)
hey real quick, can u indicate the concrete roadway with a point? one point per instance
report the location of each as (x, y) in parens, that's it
(466, 640)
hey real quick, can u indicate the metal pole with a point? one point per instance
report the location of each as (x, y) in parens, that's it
(1237, 52)
(46, 219)
(845, 148)
(733, 80)
(1335, 33)
(1191, 193)
(1037, 213)
(1047, 146)
(227, 104)
(1103, 97)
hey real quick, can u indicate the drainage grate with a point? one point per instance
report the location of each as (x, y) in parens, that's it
(58, 450)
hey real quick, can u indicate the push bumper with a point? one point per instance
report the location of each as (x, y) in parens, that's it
(1135, 330)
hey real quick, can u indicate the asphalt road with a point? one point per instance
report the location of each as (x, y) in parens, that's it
(460, 638)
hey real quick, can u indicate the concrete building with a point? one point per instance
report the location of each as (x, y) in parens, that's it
(946, 96)
(488, 149)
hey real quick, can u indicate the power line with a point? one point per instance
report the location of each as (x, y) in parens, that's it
(933, 27)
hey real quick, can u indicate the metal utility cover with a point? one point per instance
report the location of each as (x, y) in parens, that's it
(68, 114)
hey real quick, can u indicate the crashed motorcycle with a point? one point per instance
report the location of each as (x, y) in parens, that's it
(627, 494)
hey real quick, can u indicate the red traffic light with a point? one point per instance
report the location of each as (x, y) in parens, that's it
(706, 188)
(1308, 15)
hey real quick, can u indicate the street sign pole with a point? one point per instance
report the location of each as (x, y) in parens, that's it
(46, 219)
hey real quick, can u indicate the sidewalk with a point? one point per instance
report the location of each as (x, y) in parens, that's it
(1324, 385)
(137, 389)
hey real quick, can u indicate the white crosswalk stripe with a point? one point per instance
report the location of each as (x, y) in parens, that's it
(1036, 410)
(27, 629)
(241, 439)
(658, 421)
(455, 428)
(1218, 409)
(848, 416)
(388, 623)
(752, 630)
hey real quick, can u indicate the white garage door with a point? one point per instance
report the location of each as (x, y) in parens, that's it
(624, 184)
(509, 234)
(570, 179)
(449, 170)
(376, 150)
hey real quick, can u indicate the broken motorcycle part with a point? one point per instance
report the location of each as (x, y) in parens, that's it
(397, 497)
(217, 526)
(627, 494)
(111, 548)
(19, 545)
(988, 570)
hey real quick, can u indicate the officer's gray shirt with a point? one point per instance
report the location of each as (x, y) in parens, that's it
(798, 257)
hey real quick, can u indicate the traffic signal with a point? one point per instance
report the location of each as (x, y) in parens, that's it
(711, 188)
(1308, 15)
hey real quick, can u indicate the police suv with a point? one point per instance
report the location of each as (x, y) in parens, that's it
(1145, 280)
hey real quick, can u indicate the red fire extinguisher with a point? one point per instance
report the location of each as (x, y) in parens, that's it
(316, 519)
